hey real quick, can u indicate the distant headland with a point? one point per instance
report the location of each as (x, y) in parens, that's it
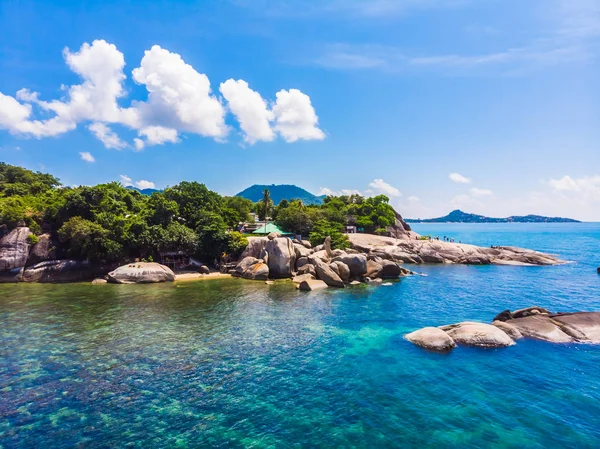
(458, 216)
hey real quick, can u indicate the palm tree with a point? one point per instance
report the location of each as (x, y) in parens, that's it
(266, 201)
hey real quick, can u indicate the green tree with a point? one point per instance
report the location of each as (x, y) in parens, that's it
(322, 229)
(88, 240)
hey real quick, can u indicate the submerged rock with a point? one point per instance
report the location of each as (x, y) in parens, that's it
(432, 338)
(141, 273)
(310, 285)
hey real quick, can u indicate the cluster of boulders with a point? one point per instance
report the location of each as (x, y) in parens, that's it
(507, 327)
(411, 249)
(275, 257)
(22, 260)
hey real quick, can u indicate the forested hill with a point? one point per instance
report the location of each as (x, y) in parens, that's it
(281, 192)
(458, 216)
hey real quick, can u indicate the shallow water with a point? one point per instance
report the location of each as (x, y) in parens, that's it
(231, 363)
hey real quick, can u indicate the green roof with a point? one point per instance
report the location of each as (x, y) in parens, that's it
(270, 228)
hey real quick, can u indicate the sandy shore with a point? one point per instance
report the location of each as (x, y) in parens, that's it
(197, 276)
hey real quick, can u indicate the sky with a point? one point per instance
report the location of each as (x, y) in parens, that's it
(489, 106)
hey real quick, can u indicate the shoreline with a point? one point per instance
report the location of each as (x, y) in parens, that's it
(187, 277)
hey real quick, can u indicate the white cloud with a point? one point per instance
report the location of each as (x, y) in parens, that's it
(250, 109)
(349, 192)
(480, 192)
(105, 135)
(126, 180)
(144, 184)
(295, 117)
(179, 100)
(326, 191)
(457, 177)
(178, 96)
(587, 187)
(157, 135)
(380, 186)
(414, 199)
(87, 156)
(139, 144)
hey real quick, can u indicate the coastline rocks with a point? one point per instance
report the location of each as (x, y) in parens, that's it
(308, 269)
(272, 235)
(255, 247)
(14, 249)
(373, 269)
(301, 251)
(99, 281)
(302, 277)
(301, 261)
(540, 327)
(356, 263)
(479, 334)
(282, 257)
(42, 250)
(432, 338)
(325, 273)
(389, 270)
(141, 273)
(342, 270)
(311, 285)
(253, 269)
(306, 244)
(508, 329)
(586, 325)
(61, 271)
(204, 270)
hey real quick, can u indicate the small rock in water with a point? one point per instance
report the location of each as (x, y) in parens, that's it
(432, 338)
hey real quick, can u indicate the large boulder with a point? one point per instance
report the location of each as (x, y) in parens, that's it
(62, 271)
(313, 284)
(508, 329)
(301, 251)
(389, 269)
(141, 273)
(584, 325)
(374, 269)
(540, 327)
(43, 250)
(14, 249)
(309, 268)
(302, 277)
(300, 262)
(327, 247)
(478, 334)
(325, 273)
(252, 268)
(432, 338)
(256, 246)
(342, 270)
(357, 263)
(282, 257)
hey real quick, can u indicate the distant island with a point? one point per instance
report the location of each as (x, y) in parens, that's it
(281, 192)
(144, 191)
(458, 216)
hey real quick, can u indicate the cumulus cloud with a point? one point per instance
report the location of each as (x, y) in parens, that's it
(480, 192)
(326, 191)
(125, 180)
(457, 177)
(143, 184)
(250, 110)
(587, 187)
(87, 156)
(157, 135)
(105, 135)
(295, 117)
(178, 96)
(180, 100)
(380, 186)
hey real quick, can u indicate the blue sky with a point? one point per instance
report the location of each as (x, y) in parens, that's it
(491, 106)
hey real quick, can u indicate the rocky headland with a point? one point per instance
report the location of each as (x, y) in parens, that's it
(508, 327)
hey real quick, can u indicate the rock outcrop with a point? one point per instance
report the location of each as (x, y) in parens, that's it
(141, 273)
(252, 268)
(533, 322)
(432, 338)
(356, 263)
(410, 249)
(282, 257)
(62, 271)
(325, 273)
(14, 249)
(310, 285)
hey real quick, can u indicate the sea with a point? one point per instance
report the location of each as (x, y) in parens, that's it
(240, 364)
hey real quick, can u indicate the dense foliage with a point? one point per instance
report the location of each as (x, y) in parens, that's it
(109, 222)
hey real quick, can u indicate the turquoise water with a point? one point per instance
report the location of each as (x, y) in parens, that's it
(239, 364)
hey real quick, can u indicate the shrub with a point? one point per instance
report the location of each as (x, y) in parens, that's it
(32, 239)
(382, 231)
(237, 243)
(324, 228)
